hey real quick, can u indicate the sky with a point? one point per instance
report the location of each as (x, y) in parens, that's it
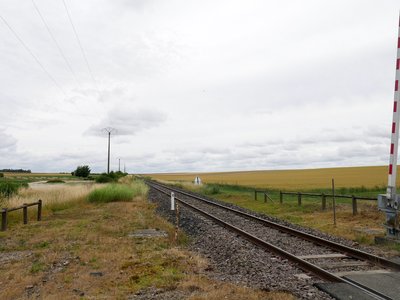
(195, 86)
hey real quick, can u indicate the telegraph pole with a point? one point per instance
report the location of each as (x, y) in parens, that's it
(109, 130)
(119, 164)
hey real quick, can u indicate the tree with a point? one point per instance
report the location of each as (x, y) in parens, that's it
(82, 171)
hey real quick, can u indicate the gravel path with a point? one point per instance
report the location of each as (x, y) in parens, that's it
(237, 260)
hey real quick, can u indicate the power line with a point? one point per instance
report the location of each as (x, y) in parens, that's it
(80, 45)
(55, 42)
(33, 55)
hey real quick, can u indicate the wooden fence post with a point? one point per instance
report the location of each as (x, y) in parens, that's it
(354, 204)
(280, 197)
(39, 211)
(299, 199)
(323, 201)
(4, 214)
(25, 213)
(255, 195)
(265, 197)
(177, 222)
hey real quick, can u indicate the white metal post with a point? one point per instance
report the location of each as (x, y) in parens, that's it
(172, 201)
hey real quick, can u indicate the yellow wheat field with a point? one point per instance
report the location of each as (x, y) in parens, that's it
(291, 179)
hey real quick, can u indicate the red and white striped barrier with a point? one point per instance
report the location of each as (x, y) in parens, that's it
(391, 190)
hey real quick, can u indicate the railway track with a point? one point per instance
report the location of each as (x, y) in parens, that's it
(323, 258)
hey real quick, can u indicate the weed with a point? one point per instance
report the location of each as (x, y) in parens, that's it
(42, 245)
(363, 239)
(37, 266)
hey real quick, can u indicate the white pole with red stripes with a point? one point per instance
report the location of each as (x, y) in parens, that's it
(391, 190)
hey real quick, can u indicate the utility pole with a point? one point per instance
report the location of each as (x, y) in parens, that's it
(119, 164)
(109, 130)
(124, 169)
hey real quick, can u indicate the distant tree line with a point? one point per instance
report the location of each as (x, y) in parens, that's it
(15, 171)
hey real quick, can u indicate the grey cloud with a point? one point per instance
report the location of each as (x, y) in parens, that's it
(8, 143)
(238, 95)
(128, 121)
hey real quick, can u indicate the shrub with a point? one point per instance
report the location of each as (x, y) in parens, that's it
(104, 178)
(1, 175)
(112, 193)
(111, 177)
(82, 171)
(8, 188)
(55, 180)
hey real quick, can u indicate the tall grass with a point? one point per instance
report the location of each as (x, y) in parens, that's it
(54, 197)
(137, 185)
(118, 192)
(111, 193)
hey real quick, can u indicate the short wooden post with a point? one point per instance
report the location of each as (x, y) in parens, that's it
(354, 204)
(25, 213)
(255, 195)
(4, 214)
(299, 199)
(39, 211)
(177, 222)
(323, 202)
(334, 202)
(280, 197)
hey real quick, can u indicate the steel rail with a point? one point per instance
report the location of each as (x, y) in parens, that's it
(303, 264)
(355, 253)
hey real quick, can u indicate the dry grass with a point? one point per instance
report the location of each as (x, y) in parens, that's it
(207, 289)
(292, 179)
(51, 194)
(83, 237)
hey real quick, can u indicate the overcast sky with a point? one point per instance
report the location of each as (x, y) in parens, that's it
(197, 85)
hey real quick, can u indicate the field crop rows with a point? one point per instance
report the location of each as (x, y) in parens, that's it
(368, 177)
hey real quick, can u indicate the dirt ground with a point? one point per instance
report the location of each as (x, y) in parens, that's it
(86, 251)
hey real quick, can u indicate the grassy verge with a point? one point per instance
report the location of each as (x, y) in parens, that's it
(84, 250)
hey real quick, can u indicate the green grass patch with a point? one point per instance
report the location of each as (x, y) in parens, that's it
(112, 193)
(62, 205)
(210, 189)
(55, 180)
(42, 245)
(37, 266)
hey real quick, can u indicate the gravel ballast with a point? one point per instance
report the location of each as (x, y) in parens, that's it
(235, 259)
